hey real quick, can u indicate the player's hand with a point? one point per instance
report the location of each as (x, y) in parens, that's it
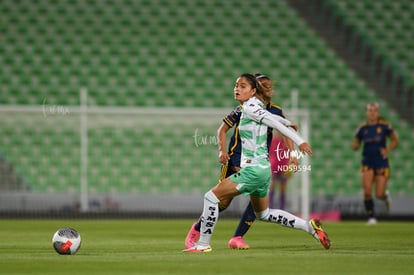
(224, 157)
(384, 152)
(306, 148)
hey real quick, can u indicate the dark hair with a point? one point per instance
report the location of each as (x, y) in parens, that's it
(251, 79)
(255, 83)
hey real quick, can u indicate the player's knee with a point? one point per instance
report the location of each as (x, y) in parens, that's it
(224, 204)
(222, 207)
(211, 197)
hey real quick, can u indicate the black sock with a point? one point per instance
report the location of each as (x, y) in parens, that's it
(369, 206)
(246, 221)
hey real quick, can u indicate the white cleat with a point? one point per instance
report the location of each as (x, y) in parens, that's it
(372, 221)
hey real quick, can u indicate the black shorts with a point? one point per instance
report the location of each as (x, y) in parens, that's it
(227, 171)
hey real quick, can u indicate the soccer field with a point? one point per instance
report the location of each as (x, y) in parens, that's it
(155, 247)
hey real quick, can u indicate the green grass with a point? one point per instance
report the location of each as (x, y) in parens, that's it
(154, 247)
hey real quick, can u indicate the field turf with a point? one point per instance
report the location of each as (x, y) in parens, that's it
(154, 247)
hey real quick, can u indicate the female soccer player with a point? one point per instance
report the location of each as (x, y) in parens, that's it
(230, 161)
(254, 177)
(375, 163)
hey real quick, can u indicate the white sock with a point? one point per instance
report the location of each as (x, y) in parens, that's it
(208, 218)
(285, 219)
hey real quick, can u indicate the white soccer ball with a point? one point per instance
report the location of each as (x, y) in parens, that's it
(66, 241)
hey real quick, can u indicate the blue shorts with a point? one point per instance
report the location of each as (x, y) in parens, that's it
(380, 166)
(253, 181)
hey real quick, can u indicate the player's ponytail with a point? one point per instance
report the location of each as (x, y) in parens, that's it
(264, 91)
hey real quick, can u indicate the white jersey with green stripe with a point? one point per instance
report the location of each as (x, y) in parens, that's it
(253, 132)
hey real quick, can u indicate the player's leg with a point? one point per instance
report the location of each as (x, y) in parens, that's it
(282, 191)
(367, 180)
(381, 178)
(209, 214)
(272, 187)
(260, 201)
(194, 233)
(249, 179)
(224, 191)
(246, 221)
(284, 218)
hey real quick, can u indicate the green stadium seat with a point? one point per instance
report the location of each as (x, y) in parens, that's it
(141, 55)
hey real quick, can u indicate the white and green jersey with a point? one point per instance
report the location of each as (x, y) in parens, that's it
(254, 121)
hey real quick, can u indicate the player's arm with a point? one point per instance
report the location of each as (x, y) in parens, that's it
(257, 113)
(357, 139)
(231, 120)
(356, 144)
(293, 160)
(221, 137)
(392, 146)
(280, 124)
(283, 120)
(291, 146)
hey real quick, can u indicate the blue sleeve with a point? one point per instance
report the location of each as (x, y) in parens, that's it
(233, 118)
(389, 130)
(358, 133)
(276, 110)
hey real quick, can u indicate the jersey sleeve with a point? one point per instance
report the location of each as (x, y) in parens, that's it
(358, 132)
(389, 130)
(233, 117)
(255, 112)
(275, 109)
(278, 123)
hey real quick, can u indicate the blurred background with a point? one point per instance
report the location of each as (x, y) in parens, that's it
(111, 107)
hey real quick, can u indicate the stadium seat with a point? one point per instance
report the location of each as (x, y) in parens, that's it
(156, 54)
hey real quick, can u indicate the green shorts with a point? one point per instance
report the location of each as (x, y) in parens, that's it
(253, 180)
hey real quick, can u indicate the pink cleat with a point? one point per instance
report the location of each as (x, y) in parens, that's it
(238, 243)
(319, 233)
(192, 237)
